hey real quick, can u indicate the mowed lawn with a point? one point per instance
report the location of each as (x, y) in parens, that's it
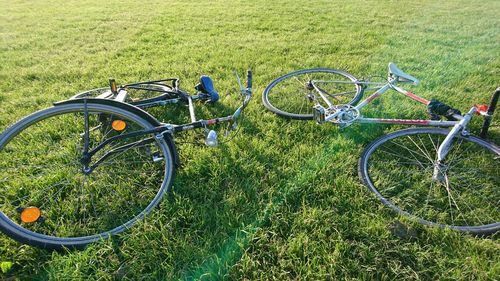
(282, 200)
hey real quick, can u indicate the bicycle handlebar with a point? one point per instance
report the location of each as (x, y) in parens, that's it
(249, 80)
(247, 93)
(489, 115)
(248, 90)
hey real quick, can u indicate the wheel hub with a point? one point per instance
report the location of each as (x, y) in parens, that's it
(85, 160)
(309, 85)
(439, 174)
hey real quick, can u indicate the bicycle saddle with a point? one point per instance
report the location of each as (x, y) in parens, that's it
(398, 73)
(207, 86)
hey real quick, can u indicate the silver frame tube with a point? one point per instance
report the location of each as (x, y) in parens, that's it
(191, 109)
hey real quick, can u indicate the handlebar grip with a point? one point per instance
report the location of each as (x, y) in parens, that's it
(493, 102)
(491, 110)
(249, 79)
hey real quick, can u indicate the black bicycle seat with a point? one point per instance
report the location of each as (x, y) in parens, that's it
(207, 86)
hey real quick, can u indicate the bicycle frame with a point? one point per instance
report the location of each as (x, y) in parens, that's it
(390, 85)
(459, 126)
(381, 90)
(159, 133)
(172, 94)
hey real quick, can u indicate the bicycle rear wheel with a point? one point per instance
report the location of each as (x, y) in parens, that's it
(47, 200)
(398, 168)
(292, 95)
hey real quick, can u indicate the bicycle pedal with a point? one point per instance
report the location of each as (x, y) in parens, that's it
(319, 114)
(156, 157)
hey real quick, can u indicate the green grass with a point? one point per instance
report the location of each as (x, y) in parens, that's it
(283, 199)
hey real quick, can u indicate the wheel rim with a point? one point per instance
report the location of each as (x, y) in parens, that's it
(293, 95)
(400, 169)
(40, 167)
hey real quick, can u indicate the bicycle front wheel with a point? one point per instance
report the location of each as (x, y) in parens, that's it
(293, 95)
(46, 197)
(399, 169)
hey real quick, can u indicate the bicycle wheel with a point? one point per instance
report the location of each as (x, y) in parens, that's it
(138, 94)
(47, 200)
(292, 95)
(399, 168)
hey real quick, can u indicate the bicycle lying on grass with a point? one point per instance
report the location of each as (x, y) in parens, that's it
(440, 177)
(91, 166)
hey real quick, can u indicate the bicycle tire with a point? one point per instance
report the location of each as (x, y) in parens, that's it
(302, 103)
(39, 166)
(398, 168)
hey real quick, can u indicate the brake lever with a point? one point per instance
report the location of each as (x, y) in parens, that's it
(242, 89)
(246, 94)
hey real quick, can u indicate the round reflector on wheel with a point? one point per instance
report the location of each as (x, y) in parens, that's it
(30, 214)
(118, 125)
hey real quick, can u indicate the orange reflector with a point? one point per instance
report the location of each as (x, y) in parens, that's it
(30, 214)
(119, 125)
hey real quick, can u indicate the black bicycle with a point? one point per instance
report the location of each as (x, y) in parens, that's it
(93, 165)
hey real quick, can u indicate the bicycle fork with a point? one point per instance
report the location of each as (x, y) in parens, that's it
(440, 168)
